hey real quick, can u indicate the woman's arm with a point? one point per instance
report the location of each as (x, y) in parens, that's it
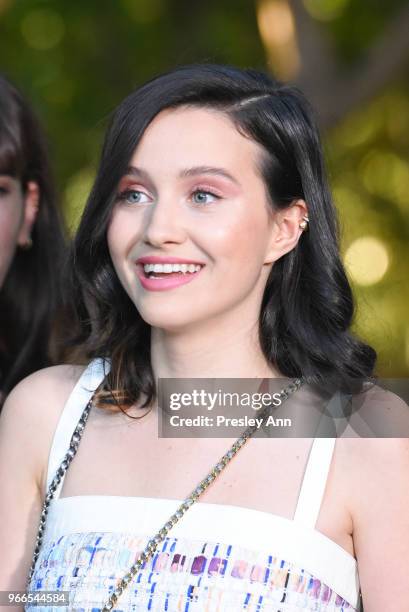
(27, 424)
(381, 522)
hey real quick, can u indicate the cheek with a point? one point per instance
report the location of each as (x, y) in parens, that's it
(121, 234)
(115, 247)
(241, 242)
(112, 241)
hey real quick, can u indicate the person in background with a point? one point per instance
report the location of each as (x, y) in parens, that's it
(32, 244)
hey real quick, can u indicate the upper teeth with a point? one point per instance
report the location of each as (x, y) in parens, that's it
(167, 267)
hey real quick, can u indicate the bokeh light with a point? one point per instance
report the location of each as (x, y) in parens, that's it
(397, 117)
(366, 260)
(42, 29)
(143, 11)
(325, 10)
(277, 31)
(5, 5)
(360, 128)
(385, 174)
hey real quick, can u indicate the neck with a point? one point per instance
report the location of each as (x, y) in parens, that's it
(210, 350)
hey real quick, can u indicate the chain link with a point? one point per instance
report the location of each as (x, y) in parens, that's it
(173, 519)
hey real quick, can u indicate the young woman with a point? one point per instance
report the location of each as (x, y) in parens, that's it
(31, 243)
(219, 170)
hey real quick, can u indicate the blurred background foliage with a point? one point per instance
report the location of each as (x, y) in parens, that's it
(77, 60)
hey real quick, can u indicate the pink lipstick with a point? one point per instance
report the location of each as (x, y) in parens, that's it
(164, 283)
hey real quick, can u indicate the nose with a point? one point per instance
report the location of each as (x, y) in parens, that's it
(163, 223)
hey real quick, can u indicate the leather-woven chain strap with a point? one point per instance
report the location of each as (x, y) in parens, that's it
(176, 516)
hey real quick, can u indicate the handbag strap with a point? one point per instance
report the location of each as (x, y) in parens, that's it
(174, 518)
(88, 382)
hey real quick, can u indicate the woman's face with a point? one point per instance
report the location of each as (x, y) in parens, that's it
(193, 193)
(17, 214)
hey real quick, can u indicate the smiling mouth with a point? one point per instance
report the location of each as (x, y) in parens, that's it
(184, 270)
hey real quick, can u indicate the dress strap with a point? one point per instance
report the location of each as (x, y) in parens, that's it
(88, 382)
(314, 481)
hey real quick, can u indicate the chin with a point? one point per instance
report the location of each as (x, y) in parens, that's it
(171, 320)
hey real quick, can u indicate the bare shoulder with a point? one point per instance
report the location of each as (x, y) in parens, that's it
(376, 395)
(27, 425)
(374, 457)
(374, 463)
(31, 412)
(377, 473)
(41, 395)
(55, 379)
(370, 458)
(377, 440)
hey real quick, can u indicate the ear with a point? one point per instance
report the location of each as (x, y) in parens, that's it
(286, 230)
(31, 206)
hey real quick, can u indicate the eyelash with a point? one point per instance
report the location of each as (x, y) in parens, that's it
(124, 195)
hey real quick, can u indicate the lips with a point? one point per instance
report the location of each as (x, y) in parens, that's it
(168, 280)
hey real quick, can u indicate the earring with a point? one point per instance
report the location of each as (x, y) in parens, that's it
(27, 245)
(304, 223)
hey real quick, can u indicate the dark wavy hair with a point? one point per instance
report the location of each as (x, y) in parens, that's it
(307, 307)
(31, 291)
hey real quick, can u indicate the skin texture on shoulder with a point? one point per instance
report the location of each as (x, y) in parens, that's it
(27, 425)
(378, 469)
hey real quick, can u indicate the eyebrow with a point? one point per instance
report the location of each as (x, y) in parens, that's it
(186, 172)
